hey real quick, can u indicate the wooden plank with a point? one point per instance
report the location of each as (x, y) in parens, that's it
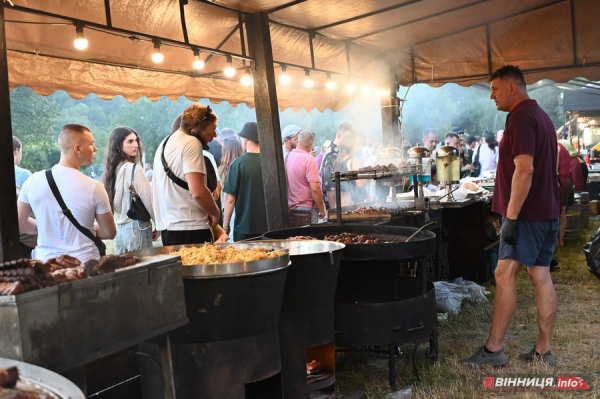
(267, 117)
(9, 226)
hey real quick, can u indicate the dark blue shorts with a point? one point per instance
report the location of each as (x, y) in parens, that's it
(535, 243)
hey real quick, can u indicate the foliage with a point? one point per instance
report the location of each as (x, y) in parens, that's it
(32, 118)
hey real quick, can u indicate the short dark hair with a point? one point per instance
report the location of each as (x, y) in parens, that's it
(471, 139)
(427, 132)
(16, 144)
(509, 71)
(345, 126)
(452, 134)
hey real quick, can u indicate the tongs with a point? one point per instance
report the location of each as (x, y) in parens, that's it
(418, 231)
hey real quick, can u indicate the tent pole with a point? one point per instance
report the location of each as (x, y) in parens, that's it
(267, 117)
(9, 225)
(390, 112)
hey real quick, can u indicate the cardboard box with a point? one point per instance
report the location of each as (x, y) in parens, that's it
(594, 207)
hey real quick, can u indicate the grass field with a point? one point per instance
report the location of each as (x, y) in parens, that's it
(576, 343)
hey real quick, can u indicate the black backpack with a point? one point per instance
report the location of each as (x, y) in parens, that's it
(592, 254)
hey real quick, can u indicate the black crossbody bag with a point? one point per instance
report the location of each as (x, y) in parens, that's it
(476, 163)
(67, 212)
(211, 174)
(137, 210)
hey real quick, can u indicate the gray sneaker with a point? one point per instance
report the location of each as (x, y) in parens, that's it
(482, 358)
(534, 355)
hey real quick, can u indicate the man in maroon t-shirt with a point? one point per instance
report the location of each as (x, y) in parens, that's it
(526, 195)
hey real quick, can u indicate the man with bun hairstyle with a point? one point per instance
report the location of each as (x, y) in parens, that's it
(85, 197)
(184, 207)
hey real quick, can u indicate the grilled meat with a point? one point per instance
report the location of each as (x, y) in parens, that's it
(9, 377)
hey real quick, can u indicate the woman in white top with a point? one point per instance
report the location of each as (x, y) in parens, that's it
(488, 153)
(123, 152)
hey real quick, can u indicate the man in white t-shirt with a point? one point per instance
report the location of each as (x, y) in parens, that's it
(86, 198)
(184, 216)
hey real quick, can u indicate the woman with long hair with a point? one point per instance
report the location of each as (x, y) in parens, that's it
(232, 149)
(488, 153)
(351, 192)
(123, 152)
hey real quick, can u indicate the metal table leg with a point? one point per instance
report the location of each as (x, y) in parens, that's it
(166, 363)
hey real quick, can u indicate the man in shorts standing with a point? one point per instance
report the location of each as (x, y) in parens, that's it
(526, 195)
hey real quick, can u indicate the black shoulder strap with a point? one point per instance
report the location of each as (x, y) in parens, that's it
(69, 215)
(169, 172)
(211, 174)
(477, 155)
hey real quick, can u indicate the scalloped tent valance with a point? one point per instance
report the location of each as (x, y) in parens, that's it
(427, 41)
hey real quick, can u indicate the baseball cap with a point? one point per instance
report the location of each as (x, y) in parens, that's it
(456, 130)
(290, 131)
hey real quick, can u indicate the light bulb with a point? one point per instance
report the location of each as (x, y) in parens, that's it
(157, 56)
(383, 92)
(350, 88)
(230, 70)
(81, 42)
(366, 90)
(580, 119)
(246, 79)
(198, 63)
(592, 122)
(330, 83)
(308, 83)
(284, 77)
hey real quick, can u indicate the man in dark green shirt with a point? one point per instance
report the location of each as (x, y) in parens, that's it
(245, 191)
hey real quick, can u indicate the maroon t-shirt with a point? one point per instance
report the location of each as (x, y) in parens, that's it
(529, 130)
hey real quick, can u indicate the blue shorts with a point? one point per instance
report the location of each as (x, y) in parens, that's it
(535, 243)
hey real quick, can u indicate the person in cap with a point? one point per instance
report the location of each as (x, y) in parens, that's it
(289, 138)
(304, 189)
(184, 206)
(244, 189)
(329, 159)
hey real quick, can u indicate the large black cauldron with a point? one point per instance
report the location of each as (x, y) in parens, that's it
(375, 304)
(306, 327)
(230, 349)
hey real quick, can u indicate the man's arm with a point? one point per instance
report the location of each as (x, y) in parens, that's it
(27, 225)
(106, 228)
(331, 198)
(521, 183)
(317, 194)
(229, 206)
(203, 196)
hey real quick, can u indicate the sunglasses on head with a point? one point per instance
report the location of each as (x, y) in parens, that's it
(206, 113)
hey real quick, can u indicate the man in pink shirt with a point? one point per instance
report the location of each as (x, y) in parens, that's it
(304, 190)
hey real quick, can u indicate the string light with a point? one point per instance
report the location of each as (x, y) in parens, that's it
(308, 83)
(592, 122)
(366, 90)
(80, 42)
(246, 79)
(198, 63)
(230, 70)
(157, 56)
(330, 83)
(350, 87)
(383, 92)
(284, 77)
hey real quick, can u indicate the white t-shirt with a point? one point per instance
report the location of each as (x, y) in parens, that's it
(487, 158)
(85, 197)
(174, 207)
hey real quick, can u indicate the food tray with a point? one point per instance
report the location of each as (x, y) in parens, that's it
(45, 383)
(65, 326)
(222, 269)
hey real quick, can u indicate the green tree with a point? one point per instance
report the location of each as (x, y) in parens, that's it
(33, 119)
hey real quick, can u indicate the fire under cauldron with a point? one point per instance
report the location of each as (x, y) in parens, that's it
(306, 329)
(375, 304)
(230, 349)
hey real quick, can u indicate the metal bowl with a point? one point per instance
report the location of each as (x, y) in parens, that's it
(47, 382)
(419, 152)
(218, 270)
(447, 151)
